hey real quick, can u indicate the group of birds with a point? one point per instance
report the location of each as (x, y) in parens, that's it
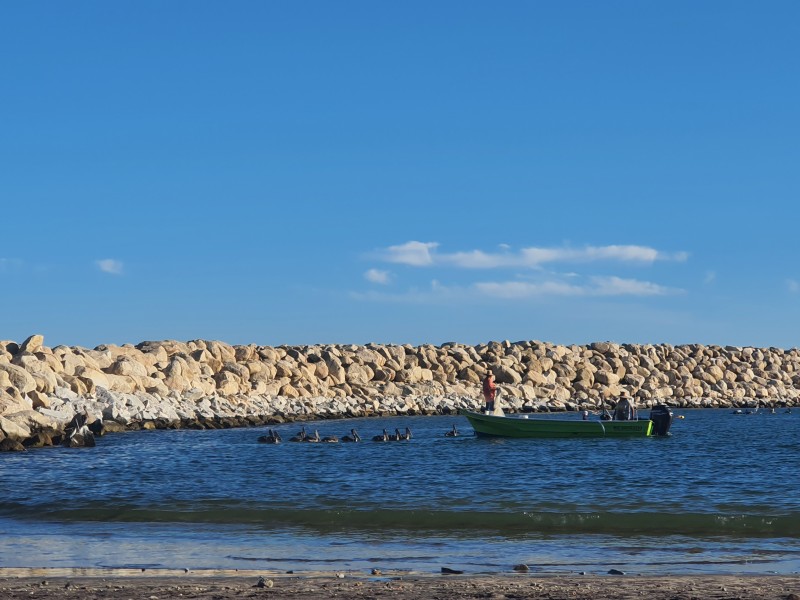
(273, 437)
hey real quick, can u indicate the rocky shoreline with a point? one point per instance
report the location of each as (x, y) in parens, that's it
(210, 384)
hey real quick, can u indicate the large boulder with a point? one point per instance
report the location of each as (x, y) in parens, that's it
(92, 377)
(15, 427)
(40, 370)
(606, 378)
(19, 378)
(359, 374)
(11, 404)
(125, 365)
(33, 344)
(507, 375)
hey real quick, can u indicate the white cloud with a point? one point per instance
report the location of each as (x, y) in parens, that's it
(542, 281)
(597, 286)
(620, 253)
(710, 277)
(793, 285)
(416, 254)
(424, 254)
(476, 259)
(522, 290)
(617, 286)
(377, 276)
(109, 265)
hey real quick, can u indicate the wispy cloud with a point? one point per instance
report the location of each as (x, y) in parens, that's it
(524, 290)
(425, 254)
(416, 254)
(536, 277)
(793, 285)
(618, 286)
(595, 286)
(710, 277)
(109, 265)
(9, 264)
(435, 293)
(378, 276)
(511, 290)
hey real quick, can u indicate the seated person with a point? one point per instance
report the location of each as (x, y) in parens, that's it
(624, 410)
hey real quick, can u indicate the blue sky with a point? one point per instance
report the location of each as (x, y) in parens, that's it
(400, 172)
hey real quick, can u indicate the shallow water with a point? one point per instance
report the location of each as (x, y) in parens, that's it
(718, 496)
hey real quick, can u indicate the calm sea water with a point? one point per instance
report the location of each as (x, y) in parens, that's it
(721, 495)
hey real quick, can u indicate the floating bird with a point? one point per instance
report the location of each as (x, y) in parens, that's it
(272, 437)
(330, 439)
(384, 437)
(313, 438)
(354, 437)
(396, 436)
(406, 435)
(300, 437)
(452, 433)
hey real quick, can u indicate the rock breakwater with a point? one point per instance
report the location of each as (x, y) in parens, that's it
(208, 384)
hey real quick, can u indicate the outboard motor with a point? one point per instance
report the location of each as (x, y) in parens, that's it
(661, 416)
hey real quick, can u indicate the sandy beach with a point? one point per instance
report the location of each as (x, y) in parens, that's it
(223, 585)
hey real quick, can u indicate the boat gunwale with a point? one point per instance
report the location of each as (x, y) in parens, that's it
(641, 427)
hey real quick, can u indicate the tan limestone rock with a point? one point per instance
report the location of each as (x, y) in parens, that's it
(39, 399)
(96, 377)
(33, 344)
(81, 387)
(228, 383)
(125, 365)
(336, 371)
(244, 353)
(606, 378)
(505, 374)
(222, 351)
(11, 403)
(289, 391)
(15, 428)
(358, 374)
(125, 384)
(19, 378)
(71, 362)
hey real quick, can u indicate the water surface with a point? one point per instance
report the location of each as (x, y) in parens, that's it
(718, 496)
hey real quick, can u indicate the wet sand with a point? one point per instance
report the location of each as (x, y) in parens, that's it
(224, 585)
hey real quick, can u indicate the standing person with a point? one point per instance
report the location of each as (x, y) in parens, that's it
(489, 391)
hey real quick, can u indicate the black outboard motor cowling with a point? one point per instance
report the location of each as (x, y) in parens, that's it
(661, 416)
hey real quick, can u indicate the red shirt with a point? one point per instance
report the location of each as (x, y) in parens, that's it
(489, 389)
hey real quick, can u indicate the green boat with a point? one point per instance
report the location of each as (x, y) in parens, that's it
(524, 426)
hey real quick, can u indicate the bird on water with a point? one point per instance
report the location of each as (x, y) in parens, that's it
(300, 437)
(353, 437)
(272, 437)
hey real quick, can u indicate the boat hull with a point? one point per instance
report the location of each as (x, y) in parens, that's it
(520, 427)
